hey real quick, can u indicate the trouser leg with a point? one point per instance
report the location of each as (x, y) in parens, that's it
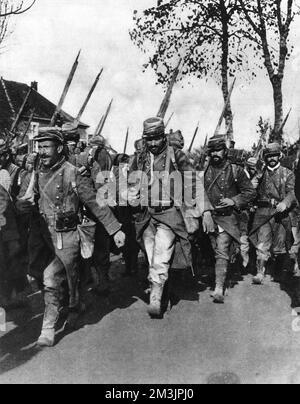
(54, 276)
(101, 258)
(294, 251)
(264, 246)
(221, 243)
(159, 243)
(164, 248)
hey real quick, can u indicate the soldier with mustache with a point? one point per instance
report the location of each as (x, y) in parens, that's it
(58, 194)
(229, 191)
(272, 229)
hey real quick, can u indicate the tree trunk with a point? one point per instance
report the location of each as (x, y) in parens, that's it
(225, 69)
(278, 108)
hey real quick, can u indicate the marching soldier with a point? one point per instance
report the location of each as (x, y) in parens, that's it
(6, 163)
(272, 228)
(159, 220)
(229, 191)
(101, 163)
(12, 274)
(58, 191)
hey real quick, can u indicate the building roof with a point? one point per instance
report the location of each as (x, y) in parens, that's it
(12, 96)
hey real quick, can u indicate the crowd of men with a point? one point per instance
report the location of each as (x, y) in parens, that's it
(67, 207)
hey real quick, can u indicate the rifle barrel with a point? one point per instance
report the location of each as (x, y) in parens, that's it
(15, 123)
(28, 126)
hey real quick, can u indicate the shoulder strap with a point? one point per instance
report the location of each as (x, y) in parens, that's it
(173, 157)
(15, 187)
(235, 172)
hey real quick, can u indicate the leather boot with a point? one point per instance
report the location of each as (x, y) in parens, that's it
(47, 338)
(156, 294)
(295, 265)
(51, 316)
(261, 270)
(221, 272)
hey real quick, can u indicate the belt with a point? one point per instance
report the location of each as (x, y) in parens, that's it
(267, 204)
(160, 209)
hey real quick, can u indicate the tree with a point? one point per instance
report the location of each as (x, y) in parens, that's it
(269, 29)
(9, 8)
(207, 34)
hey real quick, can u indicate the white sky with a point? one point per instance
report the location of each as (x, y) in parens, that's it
(46, 40)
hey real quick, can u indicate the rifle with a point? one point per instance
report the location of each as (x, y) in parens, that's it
(194, 137)
(202, 160)
(80, 113)
(65, 90)
(285, 121)
(103, 120)
(166, 101)
(225, 109)
(126, 141)
(28, 126)
(15, 122)
(169, 120)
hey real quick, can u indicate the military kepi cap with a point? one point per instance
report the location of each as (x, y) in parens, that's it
(98, 141)
(252, 162)
(217, 143)
(272, 149)
(54, 134)
(154, 128)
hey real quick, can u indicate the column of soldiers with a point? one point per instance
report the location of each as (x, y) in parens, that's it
(46, 208)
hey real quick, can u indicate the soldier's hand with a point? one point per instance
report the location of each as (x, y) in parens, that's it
(226, 203)
(24, 206)
(119, 239)
(281, 207)
(208, 223)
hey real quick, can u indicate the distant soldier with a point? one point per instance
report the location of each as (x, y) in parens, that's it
(58, 192)
(176, 140)
(229, 191)
(272, 228)
(15, 172)
(246, 216)
(101, 162)
(159, 220)
(12, 275)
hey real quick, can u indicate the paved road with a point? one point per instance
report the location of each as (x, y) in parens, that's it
(248, 340)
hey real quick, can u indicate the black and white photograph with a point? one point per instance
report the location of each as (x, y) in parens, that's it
(150, 194)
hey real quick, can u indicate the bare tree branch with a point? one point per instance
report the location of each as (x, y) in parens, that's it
(18, 10)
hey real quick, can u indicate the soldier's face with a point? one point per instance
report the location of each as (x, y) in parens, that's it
(156, 145)
(273, 161)
(217, 156)
(50, 153)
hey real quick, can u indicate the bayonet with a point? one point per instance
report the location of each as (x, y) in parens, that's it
(65, 90)
(80, 113)
(223, 114)
(126, 141)
(103, 120)
(169, 120)
(194, 137)
(166, 101)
